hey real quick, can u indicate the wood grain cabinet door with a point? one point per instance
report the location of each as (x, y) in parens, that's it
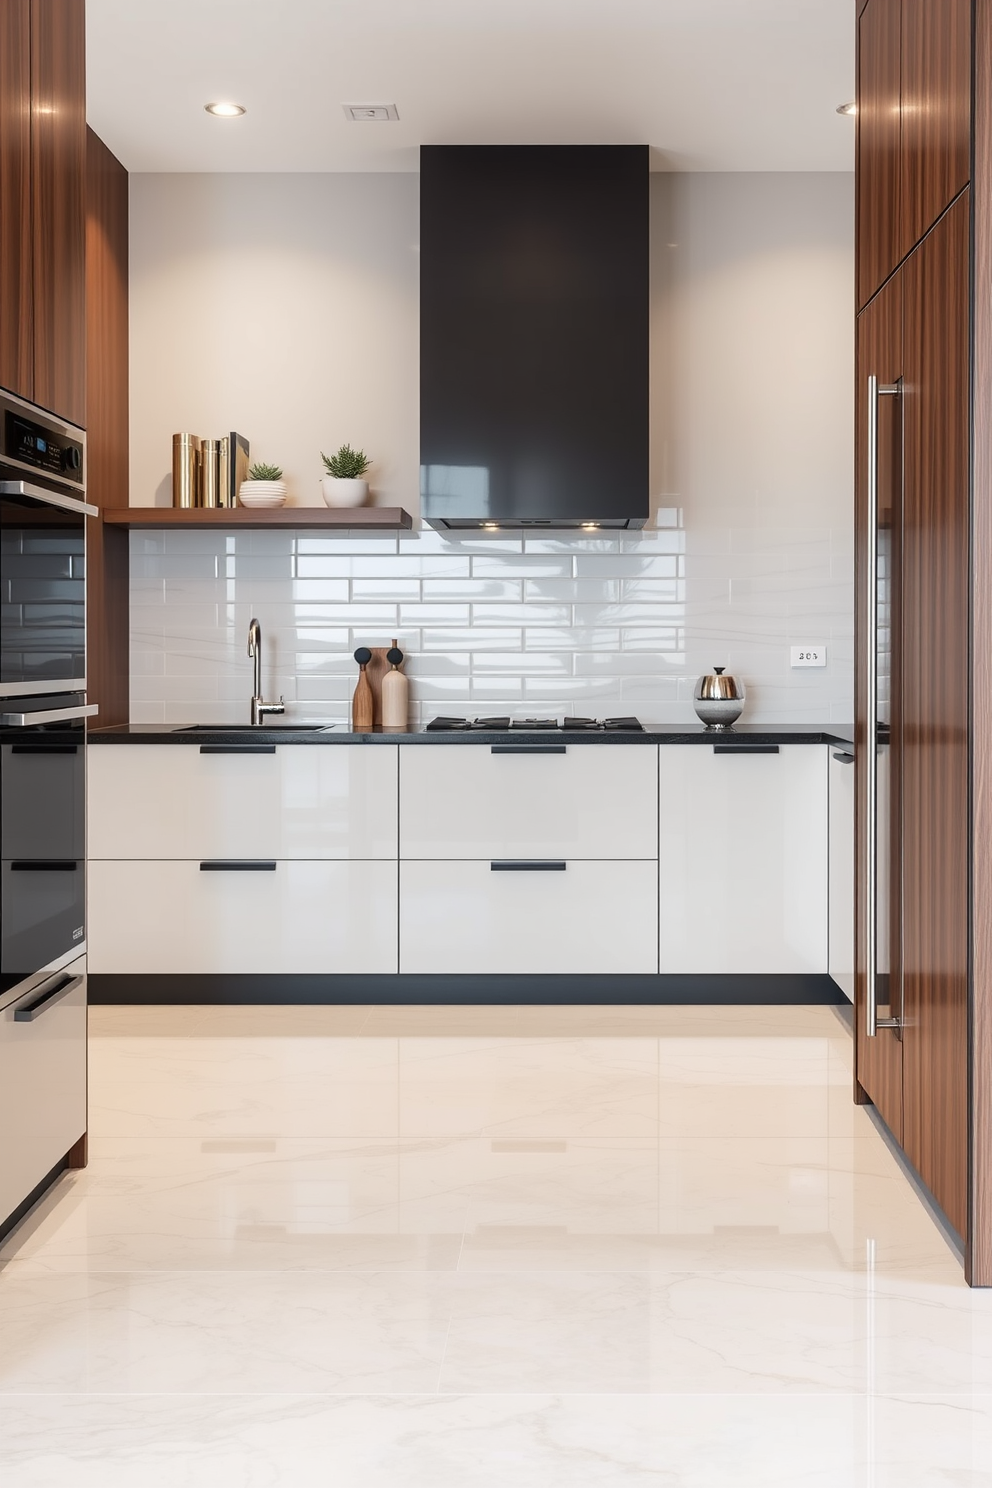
(881, 235)
(16, 327)
(935, 110)
(58, 141)
(935, 710)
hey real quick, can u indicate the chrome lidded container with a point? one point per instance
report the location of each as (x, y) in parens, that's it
(719, 700)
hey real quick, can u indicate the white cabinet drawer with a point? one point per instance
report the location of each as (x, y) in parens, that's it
(469, 801)
(302, 801)
(42, 1084)
(303, 917)
(743, 868)
(593, 917)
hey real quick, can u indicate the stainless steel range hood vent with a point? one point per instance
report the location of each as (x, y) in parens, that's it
(534, 336)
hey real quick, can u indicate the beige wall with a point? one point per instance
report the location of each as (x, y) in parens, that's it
(285, 306)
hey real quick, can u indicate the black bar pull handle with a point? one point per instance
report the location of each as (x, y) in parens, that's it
(745, 749)
(44, 749)
(238, 865)
(43, 865)
(526, 865)
(844, 759)
(237, 749)
(28, 1011)
(528, 748)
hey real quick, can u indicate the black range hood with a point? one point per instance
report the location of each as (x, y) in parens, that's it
(534, 336)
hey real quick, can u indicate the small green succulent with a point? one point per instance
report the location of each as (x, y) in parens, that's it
(347, 464)
(264, 472)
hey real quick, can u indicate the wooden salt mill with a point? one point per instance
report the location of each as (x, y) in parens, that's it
(361, 703)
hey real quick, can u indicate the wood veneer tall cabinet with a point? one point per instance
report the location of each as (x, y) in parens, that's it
(924, 594)
(42, 182)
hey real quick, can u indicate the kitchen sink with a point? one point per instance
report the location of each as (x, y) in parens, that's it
(261, 728)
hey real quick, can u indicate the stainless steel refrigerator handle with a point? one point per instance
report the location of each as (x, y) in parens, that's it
(871, 730)
(50, 498)
(48, 715)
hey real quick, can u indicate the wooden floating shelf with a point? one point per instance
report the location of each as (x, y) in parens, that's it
(300, 518)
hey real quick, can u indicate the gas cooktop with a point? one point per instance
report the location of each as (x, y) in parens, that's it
(532, 725)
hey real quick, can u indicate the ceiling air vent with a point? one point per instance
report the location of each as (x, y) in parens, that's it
(369, 113)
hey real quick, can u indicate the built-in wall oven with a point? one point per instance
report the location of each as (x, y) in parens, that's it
(43, 704)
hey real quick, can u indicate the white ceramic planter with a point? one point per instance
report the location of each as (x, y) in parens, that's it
(339, 492)
(262, 493)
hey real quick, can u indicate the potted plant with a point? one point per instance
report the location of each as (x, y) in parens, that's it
(264, 486)
(343, 485)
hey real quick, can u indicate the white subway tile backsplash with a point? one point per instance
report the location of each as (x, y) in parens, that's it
(529, 613)
(602, 591)
(396, 589)
(552, 624)
(469, 588)
(524, 567)
(435, 614)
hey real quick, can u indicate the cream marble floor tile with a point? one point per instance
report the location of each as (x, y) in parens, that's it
(247, 1204)
(188, 1332)
(718, 1332)
(243, 1085)
(545, 1087)
(488, 1441)
(411, 1246)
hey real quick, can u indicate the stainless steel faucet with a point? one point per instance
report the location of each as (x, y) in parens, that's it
(259, 708)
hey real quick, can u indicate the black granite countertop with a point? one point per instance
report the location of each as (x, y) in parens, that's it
(742, 735)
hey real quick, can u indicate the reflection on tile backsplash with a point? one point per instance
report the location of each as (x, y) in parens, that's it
(552, 624)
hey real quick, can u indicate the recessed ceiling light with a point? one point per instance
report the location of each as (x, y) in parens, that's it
(847, 108)
(225, 110)
(369, 113)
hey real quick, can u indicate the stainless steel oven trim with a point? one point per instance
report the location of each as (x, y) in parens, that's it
(38, 978)
(42, 689)
(48, 715)
(49, 498)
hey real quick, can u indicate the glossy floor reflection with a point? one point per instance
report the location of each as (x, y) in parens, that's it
(390, 1247)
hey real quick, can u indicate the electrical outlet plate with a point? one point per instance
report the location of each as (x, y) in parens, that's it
(809, 656)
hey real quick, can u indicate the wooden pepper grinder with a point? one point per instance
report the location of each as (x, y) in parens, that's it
(361, 703)
(395, 692)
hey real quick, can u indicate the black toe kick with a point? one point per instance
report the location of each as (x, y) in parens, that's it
(467, 991)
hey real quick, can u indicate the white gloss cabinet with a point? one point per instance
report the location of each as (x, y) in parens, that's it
(301, 801)
(306, 917)
(529, 801)
(743, 860)
(841, 895)
(594, 917)
(42, 1083)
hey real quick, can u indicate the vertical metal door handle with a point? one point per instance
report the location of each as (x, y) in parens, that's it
(874, 1022)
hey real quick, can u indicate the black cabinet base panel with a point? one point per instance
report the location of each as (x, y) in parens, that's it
(466, 991)
(25, 1207)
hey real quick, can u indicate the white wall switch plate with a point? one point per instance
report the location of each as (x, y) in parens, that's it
(809, 656)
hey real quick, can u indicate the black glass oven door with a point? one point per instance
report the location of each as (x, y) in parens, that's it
(42, 590)
(43, 828)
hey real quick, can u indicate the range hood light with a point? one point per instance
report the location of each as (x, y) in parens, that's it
(490, 526)
(590, 526)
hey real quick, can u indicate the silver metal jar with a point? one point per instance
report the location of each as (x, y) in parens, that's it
(719, 700)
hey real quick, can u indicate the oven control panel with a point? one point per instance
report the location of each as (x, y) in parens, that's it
(31, 442)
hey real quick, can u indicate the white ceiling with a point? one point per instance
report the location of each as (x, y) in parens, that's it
(709, 84)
